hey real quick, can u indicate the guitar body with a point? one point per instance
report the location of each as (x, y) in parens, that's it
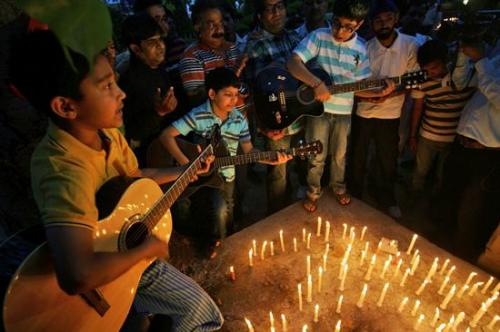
(35, 302)
(277, 101)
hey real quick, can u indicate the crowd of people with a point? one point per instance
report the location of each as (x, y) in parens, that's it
(164, 87)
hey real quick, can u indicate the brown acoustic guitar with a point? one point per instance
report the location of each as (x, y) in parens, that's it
(130, 210)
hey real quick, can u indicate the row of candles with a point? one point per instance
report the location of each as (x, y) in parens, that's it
(415, 260)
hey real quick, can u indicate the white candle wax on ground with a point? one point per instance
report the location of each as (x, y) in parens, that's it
(415, 308)
(445, 265)
(488, 284)
(412, 243)
(362, 296)
(339, 304)
(382, 295)
(448, 297)
(403, 304)
(435, 318)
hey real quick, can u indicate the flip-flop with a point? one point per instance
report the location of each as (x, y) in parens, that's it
(313, 204)
(343, 199)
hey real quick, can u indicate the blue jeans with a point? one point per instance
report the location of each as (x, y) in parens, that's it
(277, 177)
(166, 291)
(427, 152)
(333, 131)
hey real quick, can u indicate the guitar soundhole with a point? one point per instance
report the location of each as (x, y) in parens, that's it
(136, 234)
(305, 95)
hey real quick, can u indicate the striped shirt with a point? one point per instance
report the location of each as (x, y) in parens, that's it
(234, 129)
(442, 108)
(345, 62)
(198, 60)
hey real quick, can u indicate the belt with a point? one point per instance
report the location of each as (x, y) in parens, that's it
(470, 143)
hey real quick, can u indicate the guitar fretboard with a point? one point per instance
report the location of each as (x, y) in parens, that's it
(362, 85)
(248, 158)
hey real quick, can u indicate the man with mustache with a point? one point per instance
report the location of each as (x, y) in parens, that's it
(391, 53)
(209, 52)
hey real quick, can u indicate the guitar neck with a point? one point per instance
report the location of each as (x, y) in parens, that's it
(248, 158)
(168, 199)
(362, 85)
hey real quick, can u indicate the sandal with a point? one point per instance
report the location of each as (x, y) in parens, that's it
(343, 199)
(310, 205)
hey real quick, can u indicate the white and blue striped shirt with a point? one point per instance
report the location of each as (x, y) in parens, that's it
(345, 62)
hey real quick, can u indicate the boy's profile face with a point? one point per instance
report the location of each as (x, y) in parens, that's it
(435, 69)
(343, 28)
(225, 99)
(102, 100)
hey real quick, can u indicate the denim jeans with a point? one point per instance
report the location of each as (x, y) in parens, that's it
(277, 177)
(333, 131)
(427, 152)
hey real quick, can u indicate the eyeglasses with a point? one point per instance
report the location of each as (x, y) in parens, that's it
(277, 7)
(347, 28)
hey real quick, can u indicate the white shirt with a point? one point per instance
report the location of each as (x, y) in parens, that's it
(396, 60)
(480, 118)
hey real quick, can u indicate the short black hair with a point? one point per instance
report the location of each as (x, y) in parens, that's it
(260, 6)
(142, 5)
(139, 27)
(432, 50)
(221, 78)
(202, 6)
(41, 71)
(356, 10)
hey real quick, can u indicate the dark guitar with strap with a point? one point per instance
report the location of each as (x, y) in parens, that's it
(280, 99)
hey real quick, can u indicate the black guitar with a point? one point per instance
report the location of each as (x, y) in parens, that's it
(159, 157)
(280, 99)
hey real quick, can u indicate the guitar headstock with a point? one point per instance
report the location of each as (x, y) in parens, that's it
(413, 79)
(306, 150)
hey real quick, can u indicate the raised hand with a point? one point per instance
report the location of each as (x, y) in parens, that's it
(167, 104)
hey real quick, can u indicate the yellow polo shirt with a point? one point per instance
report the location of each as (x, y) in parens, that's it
(66, 174)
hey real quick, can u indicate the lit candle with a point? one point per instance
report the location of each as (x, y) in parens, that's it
(344, 231)
(379, 246)
(422, 286)
(475, 287)
(494, 320)
(415, 265)
(370, 268)
(412, 243)
(445, 265)
(488, 284)
(271, 246)
(303, 235)
(254, 243)
(284, 326)
(452, 269)
(382, 295)
(351, 231)
(398, 267)
(403, 304)
(327, 248)
(435, 318)
(308, 245)
(362, 296)
(384, 270)
(415, 254)
(363, 231)
(308, 264)
(342, 281)
(232, 275)
(471, 276)
(462, 291)
(443, 285)
(299, 287)
(318, 228)
(441, 327)
(496, 289)
(324, 262)
(405, 276)
(282, 241)
(304, 328)
(337, 326)
(250, 258)
(263, 250)
(450, 324)
(347, 252)
(320, 278)
(363, 256)
(271, 318)
(418, 322)
(352, 237)
(367, 245)
(294, 244)
(339, 304)
(415, 308)
(459, 320)
(478, 315)
(309, 288)
(316, 313)
(327, 231)
(448, 297)
(249, 325)
(433, 269)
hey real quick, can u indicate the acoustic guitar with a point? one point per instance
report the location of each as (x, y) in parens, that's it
(280, 99)
(130, 210)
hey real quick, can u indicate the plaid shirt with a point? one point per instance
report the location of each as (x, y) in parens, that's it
(264, 48)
